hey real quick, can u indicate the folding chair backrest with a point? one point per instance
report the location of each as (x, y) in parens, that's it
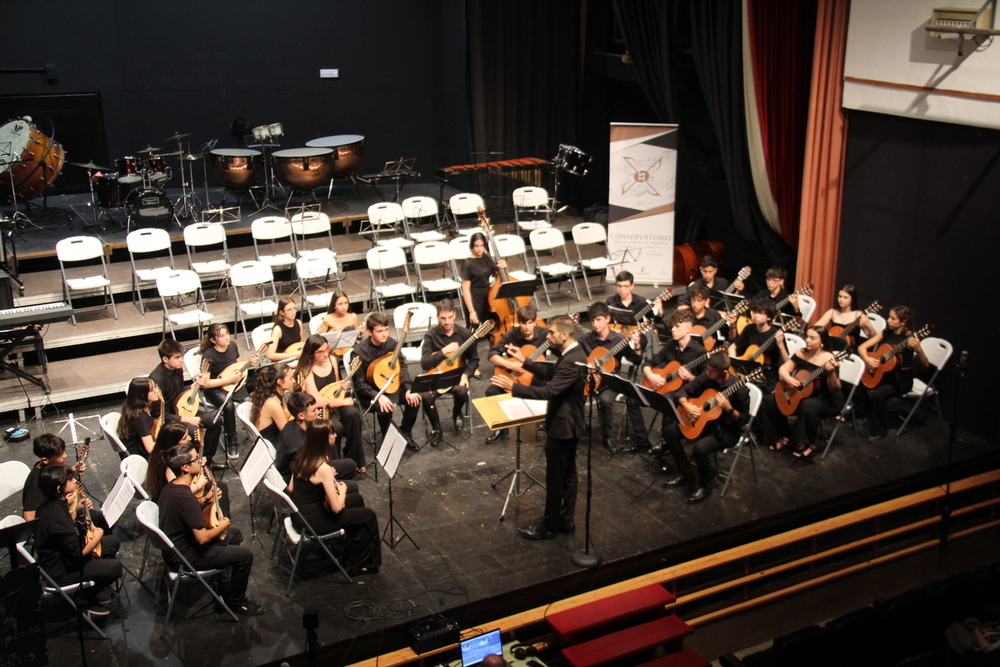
(585, 233)
(530, 196)
(423, 318)
(148, 514)
(177, 283)
(877, 321)
(807, 306)
(250, 273)
(310, 222)
(282, 501)
(546, 239)
(385, 213)
(938, 350)
(12, 476)
(756, 398)
(109, 424)
(192, 362)
(316, 266)
(460, 248)
(432, 252)
(135, 467)
(384, 257)
(793, 343)
(274, 477)
(149, 239)
(851, 369)
(466, 203)
(418, 207)
(261, 334)
(314, 323)
(11, 520)
(509, 245)
(271, 228)
(243, 413)
(79, 248)
(202, 234)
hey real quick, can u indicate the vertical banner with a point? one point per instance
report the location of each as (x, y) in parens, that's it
(641, 194)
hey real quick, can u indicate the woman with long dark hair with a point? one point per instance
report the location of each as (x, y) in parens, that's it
(287, 330)
(268, 411)
(135, 428)
(221, 352)
(338, 316)
(476, 274)
(846, 312)
(158, 475)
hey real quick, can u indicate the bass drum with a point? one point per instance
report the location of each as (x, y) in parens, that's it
(304, 168)
(149, 208)
(236, 168)
(33, 162)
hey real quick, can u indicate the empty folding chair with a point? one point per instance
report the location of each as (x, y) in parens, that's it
(385, 225)
(938, 351)
(464, 209)
(432, 254)
(146, 242)
(512, 245)
(109, 424)
(82, 249)
(318, 270)
(198, 238)
(745, 441)
(532, 208)
(246, 277)
(550, 239)
(274, 229)
(380, 260)
(316, 225)
(12, 476)
(183, 301)
(850, 371)
(591, 233)
(419, 211)
(50, 589)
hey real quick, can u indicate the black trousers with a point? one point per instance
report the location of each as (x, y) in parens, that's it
(350, 434)
(360, 524)
(234, 562)
(103, 571)
(710, 441)
(410, 414)
(560, 482)
(606, 408)
(227, 421)
(810, 413)
(461, 395)
(876, 402)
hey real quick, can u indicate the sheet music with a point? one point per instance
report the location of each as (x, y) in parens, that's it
(119, 498)
(391, 451)
(260, 459)
(523, 408)
(339, 339)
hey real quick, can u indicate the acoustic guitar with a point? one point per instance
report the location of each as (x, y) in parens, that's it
(888, 357)
(671, 373)
(742, 322)
(626, 329)
(455, 360)
(758, 353)
(384, 372)
(604, 360)
(530, 353)
(710, 409)
(788, 398)
(845, 331)
(707, 334)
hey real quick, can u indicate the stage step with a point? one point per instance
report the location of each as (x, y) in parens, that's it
(668, 631)
(686, 658)
(608, 611)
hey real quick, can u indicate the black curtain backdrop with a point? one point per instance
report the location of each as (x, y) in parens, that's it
(649, 29)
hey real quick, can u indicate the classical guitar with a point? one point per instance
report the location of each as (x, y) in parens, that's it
(232, 370)
(707, 334)
(845, 331)
(189, 402)
(340, 390)
(626, 329)
(671, 373)
(384, 372)
(743, 274)
(788, 398)
(888, 357)
(77, 506)
(758, 352)
(454, 360)
(742, 322)
(530, 353)
(603, 359)
(710, 409)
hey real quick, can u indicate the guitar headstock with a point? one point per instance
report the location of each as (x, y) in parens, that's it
(82, 450)
(875, 306)
(924, 331)
(792, 324)
(261, 350)
(743, 274)
(805, 290)
(484, 329)
(406, 323)
(756, 375)
(666, 294)
(356, 364)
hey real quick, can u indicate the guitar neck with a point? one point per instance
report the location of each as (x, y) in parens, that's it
(711, 331)
(539, 351)
(463, 347)
(850, 328)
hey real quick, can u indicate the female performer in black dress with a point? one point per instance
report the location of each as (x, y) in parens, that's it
(135, 428)
(326, 504)
(287, 330)
(267, 403)
(476, 274)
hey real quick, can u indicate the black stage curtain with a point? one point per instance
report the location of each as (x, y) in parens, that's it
(649, 29)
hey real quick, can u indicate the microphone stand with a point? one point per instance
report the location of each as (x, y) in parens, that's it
(584, 558)
(963, 363)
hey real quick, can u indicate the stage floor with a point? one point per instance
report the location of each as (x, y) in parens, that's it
(466, 556)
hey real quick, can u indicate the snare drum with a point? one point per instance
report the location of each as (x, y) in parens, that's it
(149, 208)
(236, 168)
(157, 169)
(130, 169)
(34, 161)
(110, 191)
(304, 168)
(262, 133)
(350, 149)
(572, 160)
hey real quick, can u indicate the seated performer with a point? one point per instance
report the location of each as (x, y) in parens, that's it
(267, 402)
(899, 328)
(304, 410)
(626, 299)
(328, 504)
(316, 375)
(757, 335)
(376, 346)
(222, 352)
(287, 330)
(135, 428)
(704, 316)
(826, 400)
(718, 434)
(205, 547)
(338, 316)
(776, 292)
(602, 336)
(51, 451)
(846, 312)
(439, 343)
(709, 280)
(500, 355)
(169, 377)
(62, 547)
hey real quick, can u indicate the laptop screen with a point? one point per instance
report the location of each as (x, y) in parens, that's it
(476, 648)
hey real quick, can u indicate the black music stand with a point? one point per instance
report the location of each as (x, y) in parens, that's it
(743, 367)
(433, 383)
(516, 288)
(623, 316)
(12, 535)
(389, 456)
(727, 300)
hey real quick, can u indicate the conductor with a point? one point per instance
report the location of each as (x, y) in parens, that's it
(564, 424)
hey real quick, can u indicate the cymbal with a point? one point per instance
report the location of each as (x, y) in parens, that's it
(174, 154)
(192, 158)
(178, 136)
(150, 149)
(89, 165)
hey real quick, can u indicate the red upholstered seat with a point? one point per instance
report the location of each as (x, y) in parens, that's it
(609, 610)
(669, 630)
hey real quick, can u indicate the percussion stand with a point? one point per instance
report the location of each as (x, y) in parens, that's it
(96, 224)
(187, 206)
(270, 181)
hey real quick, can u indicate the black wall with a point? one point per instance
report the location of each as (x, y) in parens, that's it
(921, 227)
(184, 66)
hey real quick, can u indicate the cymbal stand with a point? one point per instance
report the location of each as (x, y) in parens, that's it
(271, 184)
(187, 205)
(96, 223)
(19, 219)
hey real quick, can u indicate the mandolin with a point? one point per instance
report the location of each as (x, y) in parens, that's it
(671, 373)
(604, 360)
(188, 403)
(788, 398)
(77, 506)
(888, 357)
(710, 410)
(232, 370)
(845, 331)
(626, 329)
(530, 353)
(384, 372)
(339, 390)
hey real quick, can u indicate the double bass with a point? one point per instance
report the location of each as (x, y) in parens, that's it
(504, 310)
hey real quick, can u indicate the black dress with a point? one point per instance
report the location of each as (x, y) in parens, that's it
(364, 546)
(811, 411)
(478, 271)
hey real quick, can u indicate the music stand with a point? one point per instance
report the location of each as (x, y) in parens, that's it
(389, 455)
(628, 389)
(433, 383)
(728, 300)
(622, 316)
(12, 535)
(516, 288)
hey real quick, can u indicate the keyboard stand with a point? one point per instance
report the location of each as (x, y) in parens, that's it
(11, 339)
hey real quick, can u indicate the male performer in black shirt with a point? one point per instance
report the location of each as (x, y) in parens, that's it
(704, 316)
(302, 407)
(169, 378)
(51, 451)
(564, 424)
(525, 333)
(379, 344)
(441, 342)
(776, 292)
(710, 280)
(757, 334)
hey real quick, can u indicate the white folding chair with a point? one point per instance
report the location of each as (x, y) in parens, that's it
(243, 410)
(745, 441)
(82, 249)
(146, 242)
(549, 239)
(50, 589)
(299, 538)
(273, 229)
(244, 277)
(314, 323)
(878, 322)
(850, 371)
(385, 225)
(437, 254)
(182, 290)
(200, 236)
(381, 259)
(807, 306)
(192, 362)
(261, 334)
(417, 211)
(12, 476)
(312, 224)
(532, 208)
(134, 468)
(794, 343)
(591, 233)
(938, 351)
(462, 206)
(512, 245)
(321, 270)
(423, 318)
(148, 514)
(109, 424)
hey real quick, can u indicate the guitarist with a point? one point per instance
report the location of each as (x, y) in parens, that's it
(626, 299)
(169, 377)
(762, 311)
(501, 355)
(710, 280)
(826, 401)
(287, 330)
(376, 345)
(221, 351)
(899, 328)
(776, 292)
(718, 434)
(440, 342)
(602, 336)
(847, 312)
(704, 316)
